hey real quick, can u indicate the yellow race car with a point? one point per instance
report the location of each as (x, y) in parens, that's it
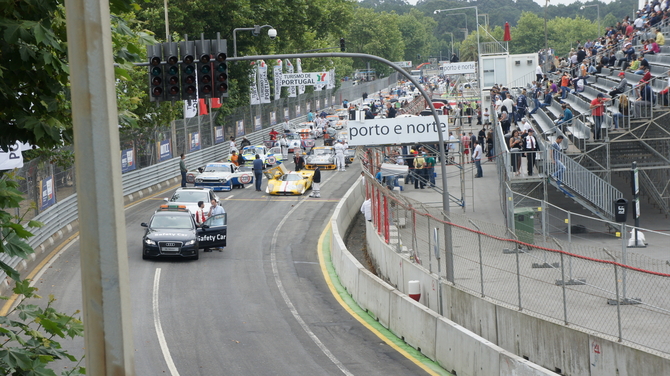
(284, 182)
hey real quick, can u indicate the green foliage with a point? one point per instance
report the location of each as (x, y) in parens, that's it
(376, 34)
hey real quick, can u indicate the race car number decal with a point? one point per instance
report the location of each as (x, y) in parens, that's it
(245, 179)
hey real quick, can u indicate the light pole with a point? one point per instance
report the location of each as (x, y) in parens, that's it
(452, 43)
(466, 20)
(256, 30)
(546, 4)
(598, 8)
(449, 251)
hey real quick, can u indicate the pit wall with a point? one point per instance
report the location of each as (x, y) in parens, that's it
(455, 348)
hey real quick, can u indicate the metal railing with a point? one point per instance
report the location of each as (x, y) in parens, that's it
(586, 279)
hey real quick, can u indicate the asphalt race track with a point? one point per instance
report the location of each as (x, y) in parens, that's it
(260, 307)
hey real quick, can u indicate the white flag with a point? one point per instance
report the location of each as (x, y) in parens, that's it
(277, 72)
(298, 67)
(331, 82)
(291, 89)
(263, 83)
(253, 87)
(13, 158)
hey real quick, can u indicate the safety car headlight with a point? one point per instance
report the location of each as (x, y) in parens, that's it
(190, 242)
(148, 241)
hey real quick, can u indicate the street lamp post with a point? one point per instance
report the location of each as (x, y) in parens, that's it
(546, 5)
(449, 251)
(598, 9)
(256, 30)
(452, 43)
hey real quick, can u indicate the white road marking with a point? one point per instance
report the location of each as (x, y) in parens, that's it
(287, 300)
(159, 329)
(229, 197)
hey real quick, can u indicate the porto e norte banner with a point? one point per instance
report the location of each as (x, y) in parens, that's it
(404, 130)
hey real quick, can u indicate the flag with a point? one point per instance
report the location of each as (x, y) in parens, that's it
(263, 84)
(507, 36)
(277, 73)
(216, 102)
(298, 67)
(253, 88)
(291, 89)
(203, 106)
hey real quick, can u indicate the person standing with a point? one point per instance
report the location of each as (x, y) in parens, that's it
(200, 217)
(538, 73)
(419, 165)
(597, 111)
(286, 125)
(299, 161)
(430, 169)
(556, 159)
(515, 144)
(339, 155)
(231, 145)
(214, 209)
(182, 169)
(477, 157)
(531, 146)
(235, 159)
(258, 172)
(316, 183)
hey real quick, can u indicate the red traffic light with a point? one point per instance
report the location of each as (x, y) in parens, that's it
(155, 61)
(221, 57)
(156, 81)
(205, 79)
(204, 59)
(188, 59)
(157, 92)
(222, 87)
(221, 77)
(172, 60)
(207, 89)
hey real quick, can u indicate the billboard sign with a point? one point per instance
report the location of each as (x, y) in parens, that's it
(405, 130)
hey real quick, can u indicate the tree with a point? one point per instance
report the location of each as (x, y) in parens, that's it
(416, 30)
(376, 34)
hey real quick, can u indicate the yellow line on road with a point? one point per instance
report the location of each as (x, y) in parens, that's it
(10, 302)
(336, 294)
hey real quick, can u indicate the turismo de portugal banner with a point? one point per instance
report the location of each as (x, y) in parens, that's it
(304, 79)
(405, 130)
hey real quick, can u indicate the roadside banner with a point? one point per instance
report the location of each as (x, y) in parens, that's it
(257, 123)
(194, 141)
(277, 74)
(331, 81)
(404, 64)
(240, 128)
(48, 196)
(459, 68)
(289, 69)
(273, 118)
(127, 160)
(13, 158)
(298, 67)
(405, 130)
(253, 87)
(218, 134)
(263, 83)
(164, 150)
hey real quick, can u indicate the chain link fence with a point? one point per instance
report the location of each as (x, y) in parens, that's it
(561, 266)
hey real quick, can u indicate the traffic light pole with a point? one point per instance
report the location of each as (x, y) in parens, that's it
(443, 168)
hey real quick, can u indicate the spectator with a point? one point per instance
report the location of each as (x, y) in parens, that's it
(182, 169)
(566, 118)
(556, 156)
(565, 85)
(538, 73)
(597, 108)
(660, 39)
(645, 99)
(621, 87)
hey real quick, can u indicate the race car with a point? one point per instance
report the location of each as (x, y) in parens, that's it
(172, 232)
(242, 175)
(293, 142)
(216, 176)
(190, 197)
(249, 154)
(284, 182)
(322, 157)
(349, 155)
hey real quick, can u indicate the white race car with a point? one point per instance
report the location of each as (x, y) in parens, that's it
(217, 176)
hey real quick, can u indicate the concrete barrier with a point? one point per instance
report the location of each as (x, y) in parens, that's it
(454, 347)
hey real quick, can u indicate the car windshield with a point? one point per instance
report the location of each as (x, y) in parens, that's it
(293, 136)
(291, 177)
(322, 151)
(180, 221)
(253, 150)
(244, 169)
(218, 168)
(190, 196)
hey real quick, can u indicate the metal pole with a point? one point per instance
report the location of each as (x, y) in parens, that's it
(430, 257)
(481, 261)
(107, 317)
(565, 303)
(624, 259)
(167, 24)
(618, 302)
(518, 274)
